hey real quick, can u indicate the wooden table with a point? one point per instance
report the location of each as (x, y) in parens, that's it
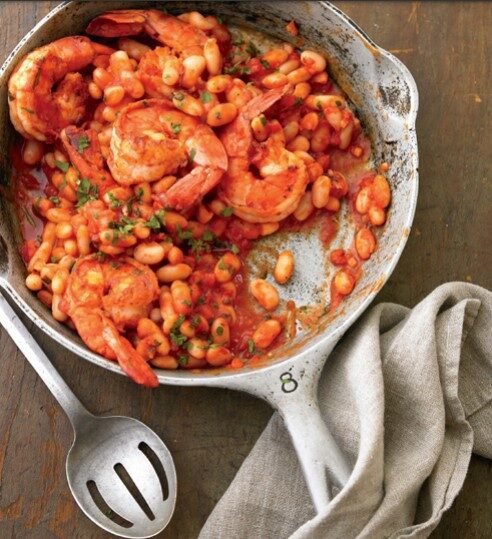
(210, 432)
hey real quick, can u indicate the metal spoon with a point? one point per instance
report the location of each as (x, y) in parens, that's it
(119, 471)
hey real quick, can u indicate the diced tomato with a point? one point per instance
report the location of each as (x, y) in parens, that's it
(50, 190)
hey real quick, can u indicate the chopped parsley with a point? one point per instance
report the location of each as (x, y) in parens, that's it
(298, 102)
(176, 128)
(157, 220)
(251, 346)
(115, 202)
(123, 227)
(140, 193)
(252, 49)
(234, 249)
(238, 41)
(219, 330)
(206, 97)
(265, 64)
(237, 69)
(86, 191)
(208, 235)
(82, 143)
(218, 115)
(192, 155)
(55, 200)
(177, 337)
(184, 235)
(183, 360)
(263, 119)
(62, 165)
(227, 212)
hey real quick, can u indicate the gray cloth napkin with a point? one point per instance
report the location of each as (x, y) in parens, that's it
(408, 397)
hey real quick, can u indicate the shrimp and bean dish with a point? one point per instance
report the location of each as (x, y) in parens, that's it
(155, 151)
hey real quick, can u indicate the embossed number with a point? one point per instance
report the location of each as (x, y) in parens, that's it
(288, 383)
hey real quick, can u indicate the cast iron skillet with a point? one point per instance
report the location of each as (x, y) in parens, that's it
(385, 95)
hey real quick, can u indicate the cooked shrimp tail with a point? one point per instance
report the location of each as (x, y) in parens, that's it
(152, 139)
(237, 137)
(37, 110)
(191, 188)
(276, 192)
(103, 298)
(128, 358)
(167, 29)
(84, 151)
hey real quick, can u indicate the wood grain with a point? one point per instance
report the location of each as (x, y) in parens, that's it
(446, 45)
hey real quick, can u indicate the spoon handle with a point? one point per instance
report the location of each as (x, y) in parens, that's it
(42, 365)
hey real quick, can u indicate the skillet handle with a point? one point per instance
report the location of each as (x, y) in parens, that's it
(292, 388)
(325, 467)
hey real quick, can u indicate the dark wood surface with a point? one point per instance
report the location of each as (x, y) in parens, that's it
(447, 46)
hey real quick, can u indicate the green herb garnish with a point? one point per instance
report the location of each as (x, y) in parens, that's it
(86, 191)
(83, 143)
(252, 49)
(265, 64)
(227, 212)
(177, 337)
(123, 227)
(208, 235)
(157, 220)
(251, 346)
(176, 128)
(206, 97)
(184, 235)
(192, 155)
(62, 165)
(115, 202)
(55, 200)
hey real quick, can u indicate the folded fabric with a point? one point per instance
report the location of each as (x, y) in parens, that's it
(407, 395)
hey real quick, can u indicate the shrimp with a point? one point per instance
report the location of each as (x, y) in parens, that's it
(150, 71)
(152, 139)
(103, 298)
(38, 110)
(283, 178)
(171, 31)
(84, 151)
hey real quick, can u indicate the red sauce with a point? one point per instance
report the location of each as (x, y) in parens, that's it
(27, 183)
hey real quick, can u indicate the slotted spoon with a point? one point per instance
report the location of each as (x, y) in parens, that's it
(119, 471)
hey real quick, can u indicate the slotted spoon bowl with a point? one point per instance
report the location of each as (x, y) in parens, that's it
(119, 471)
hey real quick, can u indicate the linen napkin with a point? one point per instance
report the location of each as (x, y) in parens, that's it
(407, 395)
